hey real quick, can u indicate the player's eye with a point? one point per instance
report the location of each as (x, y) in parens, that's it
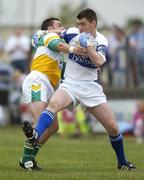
(83, 24)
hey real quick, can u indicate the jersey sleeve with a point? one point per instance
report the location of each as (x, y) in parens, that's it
(102, 47)
(69, 34)
(51, 40)
(37, 39)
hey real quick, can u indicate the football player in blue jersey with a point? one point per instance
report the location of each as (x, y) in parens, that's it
(81, 85)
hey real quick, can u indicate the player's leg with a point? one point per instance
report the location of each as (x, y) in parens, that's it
(37, 97)
(59, 100)
(49, 131)
(105, 115)
(30, 152)
(36, 108)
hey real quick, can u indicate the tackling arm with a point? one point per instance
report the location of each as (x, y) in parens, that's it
(59, 45)
(55, 43)
(64, 47)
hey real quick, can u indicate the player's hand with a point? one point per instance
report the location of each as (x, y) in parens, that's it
(86, 40)
(80, 51)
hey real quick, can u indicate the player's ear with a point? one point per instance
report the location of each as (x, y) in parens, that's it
(93, 23)
(50, 28)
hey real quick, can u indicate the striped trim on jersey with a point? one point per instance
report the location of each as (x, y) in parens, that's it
(49, 37)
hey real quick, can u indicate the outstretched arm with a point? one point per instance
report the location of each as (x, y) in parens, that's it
(64, 47)
(53, 41)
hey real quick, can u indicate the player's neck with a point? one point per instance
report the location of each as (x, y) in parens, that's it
(94, 33)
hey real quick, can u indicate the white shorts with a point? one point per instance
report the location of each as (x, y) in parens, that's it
(37, 87)
(86, 93)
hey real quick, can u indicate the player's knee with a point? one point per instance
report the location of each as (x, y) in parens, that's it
(53, 106)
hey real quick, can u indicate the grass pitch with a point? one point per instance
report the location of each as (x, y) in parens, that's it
(87, 158)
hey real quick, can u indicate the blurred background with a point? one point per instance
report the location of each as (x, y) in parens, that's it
(121, 21)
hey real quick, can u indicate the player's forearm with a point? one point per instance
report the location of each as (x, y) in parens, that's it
(63, 47)
(95, 57)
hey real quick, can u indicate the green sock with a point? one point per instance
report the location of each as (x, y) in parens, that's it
(36, 150)
(28, 150)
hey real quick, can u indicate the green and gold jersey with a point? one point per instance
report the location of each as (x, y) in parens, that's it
(47, 59)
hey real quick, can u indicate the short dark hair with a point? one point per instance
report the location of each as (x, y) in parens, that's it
(89, 14)
(48, 22)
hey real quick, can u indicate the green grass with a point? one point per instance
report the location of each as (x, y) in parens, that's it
(89, 158)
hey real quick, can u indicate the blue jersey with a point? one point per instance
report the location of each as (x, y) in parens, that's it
(71, 36)
(81, 67)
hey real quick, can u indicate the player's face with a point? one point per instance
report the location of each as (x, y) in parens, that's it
(85, 26)
(57, 25)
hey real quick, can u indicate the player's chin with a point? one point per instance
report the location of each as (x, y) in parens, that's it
(81, 31)
(84, 31)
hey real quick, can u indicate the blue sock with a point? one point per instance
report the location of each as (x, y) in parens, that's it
(45, 120)
(117, 144)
